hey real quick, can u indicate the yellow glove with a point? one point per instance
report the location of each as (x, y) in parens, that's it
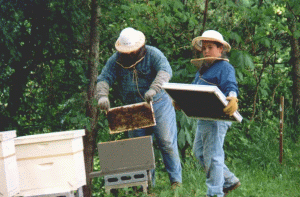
(232, 106)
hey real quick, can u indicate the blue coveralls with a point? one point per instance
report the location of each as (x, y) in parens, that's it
(132, 85)
(210, 134)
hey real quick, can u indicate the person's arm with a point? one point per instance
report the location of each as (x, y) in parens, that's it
(164, 72)
(227, 80)
(229, 85)
(159, 61)
(161, 78)
(102, 91)
(104, 80)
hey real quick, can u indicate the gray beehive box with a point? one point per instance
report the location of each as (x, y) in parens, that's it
(127, 155)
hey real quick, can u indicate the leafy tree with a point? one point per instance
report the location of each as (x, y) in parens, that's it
(293, 15)
(41, 67)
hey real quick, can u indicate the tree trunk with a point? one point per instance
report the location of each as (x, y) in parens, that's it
(89, 139)
(204, 17)
(295, 61)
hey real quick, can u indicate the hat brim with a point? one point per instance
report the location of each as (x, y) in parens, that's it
(198, 62)
(129, 49)
(197, 46)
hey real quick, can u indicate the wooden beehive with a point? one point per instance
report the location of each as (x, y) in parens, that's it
(50, 163)
(9, 174)
(127, 155)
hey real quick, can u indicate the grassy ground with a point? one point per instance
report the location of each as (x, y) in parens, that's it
(274, 181)
(259, 178)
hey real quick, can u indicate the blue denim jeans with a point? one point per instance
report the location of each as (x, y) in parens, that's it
(165, 133)
(208, 149)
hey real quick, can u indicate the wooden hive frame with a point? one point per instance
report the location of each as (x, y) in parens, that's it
(130, 117)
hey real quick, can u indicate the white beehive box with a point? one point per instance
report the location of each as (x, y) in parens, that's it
(50, 163)
(9, 176)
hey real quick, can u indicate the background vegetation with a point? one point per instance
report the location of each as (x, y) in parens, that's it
(44, 77)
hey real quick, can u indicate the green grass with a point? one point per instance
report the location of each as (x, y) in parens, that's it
(258, 182)
(260, 177)
(277, 180)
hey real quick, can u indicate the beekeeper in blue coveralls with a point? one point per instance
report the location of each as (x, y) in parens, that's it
(140, 71)
(209, 138)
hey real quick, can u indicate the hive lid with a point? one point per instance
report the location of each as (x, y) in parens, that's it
(126, 155)
(6, 135)
(200, 101)
(46, 137)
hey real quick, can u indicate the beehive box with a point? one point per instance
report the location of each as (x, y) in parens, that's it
(50, 163)
(128, 155)
(201, 101)
(9, 176)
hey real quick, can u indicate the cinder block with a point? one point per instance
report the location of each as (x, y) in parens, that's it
(9, 174)
(144, 184)
(50, 163)
(130, 177)
(126, 163)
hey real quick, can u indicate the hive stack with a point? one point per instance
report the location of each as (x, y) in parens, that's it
(9, 181)
(50, 163)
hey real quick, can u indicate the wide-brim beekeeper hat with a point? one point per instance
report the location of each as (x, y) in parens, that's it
(130, 40)
(210, 35)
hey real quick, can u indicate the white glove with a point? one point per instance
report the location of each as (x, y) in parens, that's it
(161, 77)
(102, 92)
(103, 103)
(149, 95)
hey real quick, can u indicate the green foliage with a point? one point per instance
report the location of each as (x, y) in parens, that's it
(170, 26)
(43, 76)
(41, 66)
(186, 129)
